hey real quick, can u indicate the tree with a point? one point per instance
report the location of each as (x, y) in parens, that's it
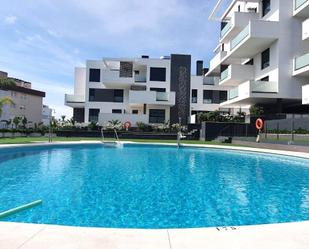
(6, 82)
(63, 118)
(256, 110)
(5, 101)
(24, 121)
(16, 121)
(114, 124)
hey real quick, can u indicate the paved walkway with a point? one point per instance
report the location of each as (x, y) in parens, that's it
(31, 236)
(273, 146)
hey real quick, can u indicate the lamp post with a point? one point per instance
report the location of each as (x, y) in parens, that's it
(50, 125)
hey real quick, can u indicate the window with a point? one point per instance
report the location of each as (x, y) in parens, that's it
(265, 78)
(250, 62)
(134, 111)
(94, 75)
(105, 95)
(156, 116)
(91, 95)
(116, 111)
(207, 96)
(265, 59)
(222, 96)
(155, 89)
(157, 74)
(118, 95)
(194, 96)
(94, 115)
(265, 7)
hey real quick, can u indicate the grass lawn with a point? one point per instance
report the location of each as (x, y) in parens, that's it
(25, 140)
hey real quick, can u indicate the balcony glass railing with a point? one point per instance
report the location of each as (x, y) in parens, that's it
(162, 96)
(224, 74)
(264, 87)
(140, 78)
(74, 98)
(226, 28)
(233, 93)
(299, 3)
(302, 61)
(209, 81)
(241, 36)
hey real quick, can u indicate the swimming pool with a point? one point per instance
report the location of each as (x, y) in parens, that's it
(145, 186)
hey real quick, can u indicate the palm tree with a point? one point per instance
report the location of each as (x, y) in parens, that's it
(5, 101)
(16, 121)
(24, 121)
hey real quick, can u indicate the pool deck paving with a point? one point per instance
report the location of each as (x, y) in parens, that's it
(274, 236)
(36, 236)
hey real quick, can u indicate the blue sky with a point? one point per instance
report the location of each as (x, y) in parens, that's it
(42, 41)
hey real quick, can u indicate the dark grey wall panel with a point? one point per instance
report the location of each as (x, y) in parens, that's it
(181, 84)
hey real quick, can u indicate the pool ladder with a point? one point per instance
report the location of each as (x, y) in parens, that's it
(179, 137)
(110, 143)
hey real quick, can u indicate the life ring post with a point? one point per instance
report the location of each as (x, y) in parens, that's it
(259, 124)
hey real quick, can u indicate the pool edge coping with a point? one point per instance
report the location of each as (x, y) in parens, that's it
(227, 147)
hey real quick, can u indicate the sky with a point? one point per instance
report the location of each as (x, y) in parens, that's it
(42, 41)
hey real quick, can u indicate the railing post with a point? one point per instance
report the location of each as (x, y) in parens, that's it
(277, 130)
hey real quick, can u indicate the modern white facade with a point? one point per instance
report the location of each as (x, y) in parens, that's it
(262, 54)
(143, 89)
(46, 115)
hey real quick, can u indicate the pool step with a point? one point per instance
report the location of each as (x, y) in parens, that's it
(112, 144)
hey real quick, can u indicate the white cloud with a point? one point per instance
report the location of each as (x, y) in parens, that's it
(10, 20)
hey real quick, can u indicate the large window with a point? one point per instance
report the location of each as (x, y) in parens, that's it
(94, 75)
(265, 7)
(207, 96)
(265, 58)
(156, 116)
(105, 95)
(94, 115)
(118, 95)
(222, 96)
(157, 74)
(194, 96)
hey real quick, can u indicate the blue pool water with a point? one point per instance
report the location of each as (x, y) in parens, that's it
(143, 186)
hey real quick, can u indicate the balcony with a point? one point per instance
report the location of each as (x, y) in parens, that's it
(152, 98)
(235, 74)
(305, 29)
(250, 91)
(140, 78)
(75, 101)
(214, 65)
(238, 22)
(301, 8)
(257, 36)
(305, 94)
(133, 118)
(111, 78)
(301, 65)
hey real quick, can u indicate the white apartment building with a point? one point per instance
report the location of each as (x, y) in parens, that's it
(152, 91)
(27, 101)
(262, 54)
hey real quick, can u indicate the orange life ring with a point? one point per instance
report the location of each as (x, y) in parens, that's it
(259, 124)
(127, 125)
